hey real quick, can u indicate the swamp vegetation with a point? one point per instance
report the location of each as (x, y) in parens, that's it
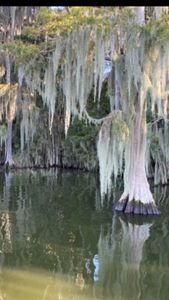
(59, 107)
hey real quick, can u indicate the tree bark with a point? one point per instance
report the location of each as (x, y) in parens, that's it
(140, 15)
(137, 197)
(9, 160)
(8, 68)
(117, 89)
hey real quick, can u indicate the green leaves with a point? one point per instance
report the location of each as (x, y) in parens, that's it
(44, 16)
(22, 52)
(52, 23)
(32, 34)
(156, 32)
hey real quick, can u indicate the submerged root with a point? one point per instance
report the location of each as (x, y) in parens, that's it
(136, 207)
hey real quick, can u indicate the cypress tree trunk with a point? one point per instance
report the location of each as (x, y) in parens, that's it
(11, 106)
(10, 115)
(140, 15)
(137, 197)
(117, 88)
(9, 159)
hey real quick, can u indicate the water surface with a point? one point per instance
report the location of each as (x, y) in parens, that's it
(57, 242)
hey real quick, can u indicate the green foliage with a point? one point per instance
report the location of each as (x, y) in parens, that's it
(66, 24)
(154, 144)
(22, 52)
(32, 34)
(156, 32)
(80, 144)
(149, 116)
(99, 110)
(52, 23)
(79, 131)
(3, 131)
(38, 41)
(40, 36)
(44, 16)
(120, 129)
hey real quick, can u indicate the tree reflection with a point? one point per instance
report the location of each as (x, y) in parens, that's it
(5, 216)
(120, 252)
(5, 227)
(56, 222)
(155, 264)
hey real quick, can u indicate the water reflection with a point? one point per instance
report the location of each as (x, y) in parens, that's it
(38, 285)
(5, 221)
(120, 251)
(57, 242)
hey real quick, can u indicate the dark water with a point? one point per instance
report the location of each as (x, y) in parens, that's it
(56, 242)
